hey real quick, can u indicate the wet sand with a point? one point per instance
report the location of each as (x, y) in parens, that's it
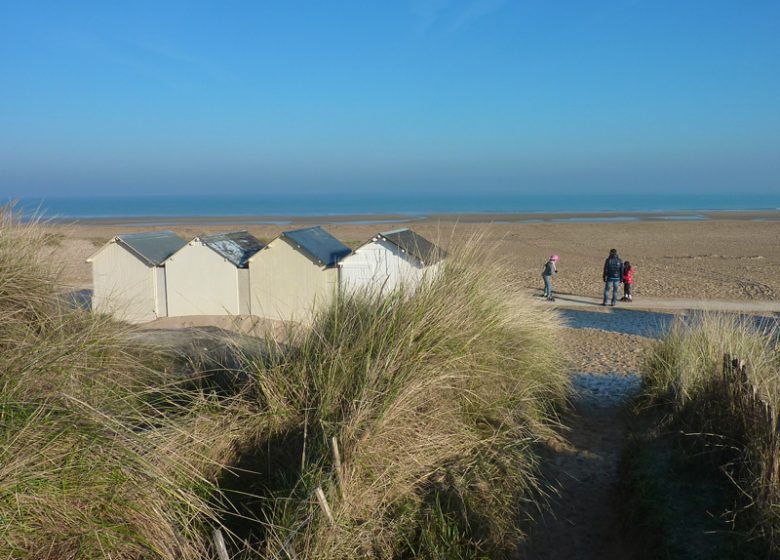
(463, 218)
(729, 256)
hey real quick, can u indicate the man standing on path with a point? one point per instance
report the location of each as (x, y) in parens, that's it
(613, 270)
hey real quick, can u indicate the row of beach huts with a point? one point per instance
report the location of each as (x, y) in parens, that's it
(139, 277)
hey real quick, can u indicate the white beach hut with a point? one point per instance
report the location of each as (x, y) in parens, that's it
(296, 274)
(128, 275)
(388, 261)
(210, 276)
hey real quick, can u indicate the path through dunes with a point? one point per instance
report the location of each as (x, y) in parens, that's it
(585, 517)
(583, 521)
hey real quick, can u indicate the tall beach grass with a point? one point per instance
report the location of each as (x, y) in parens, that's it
(97, 458)
(734, 428)
(433, 401)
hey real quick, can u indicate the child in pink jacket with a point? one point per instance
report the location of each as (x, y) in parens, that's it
(628, 279)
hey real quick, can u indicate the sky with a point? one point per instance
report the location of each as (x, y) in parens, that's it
(413, 96)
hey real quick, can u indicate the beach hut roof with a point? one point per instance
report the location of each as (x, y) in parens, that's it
(317, 244)
(152, 247)
(236, 246)
(414, 244)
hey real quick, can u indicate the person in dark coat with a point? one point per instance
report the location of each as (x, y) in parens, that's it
(613, 272)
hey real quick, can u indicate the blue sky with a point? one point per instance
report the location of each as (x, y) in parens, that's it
(417, 96)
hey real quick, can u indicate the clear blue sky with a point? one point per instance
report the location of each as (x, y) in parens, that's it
(420, 95)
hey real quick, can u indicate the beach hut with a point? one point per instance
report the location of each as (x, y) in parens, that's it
(210, 276)
(128, 275)
(296, 274)
(390, 260)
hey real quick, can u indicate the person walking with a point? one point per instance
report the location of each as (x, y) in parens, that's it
(628, 279)
(613, 272)
(550, 270)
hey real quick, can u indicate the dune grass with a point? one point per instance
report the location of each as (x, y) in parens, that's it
(97, 459)
(729, 432)
(434, 401)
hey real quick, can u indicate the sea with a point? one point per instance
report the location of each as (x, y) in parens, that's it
(669, 206)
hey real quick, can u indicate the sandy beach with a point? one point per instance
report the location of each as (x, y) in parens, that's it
(727, 256)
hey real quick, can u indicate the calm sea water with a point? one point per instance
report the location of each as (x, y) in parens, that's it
(382, 203)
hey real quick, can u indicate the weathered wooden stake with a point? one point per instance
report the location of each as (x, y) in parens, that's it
(219, 542)
(334, 444)
(305, 433)
(290, 553)
(726, 368)
(324, 504)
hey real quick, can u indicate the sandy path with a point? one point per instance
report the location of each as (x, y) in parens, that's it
(583, 521)
(592, 350)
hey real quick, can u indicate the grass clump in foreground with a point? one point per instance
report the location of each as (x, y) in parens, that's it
(705, 475)
(96, 458)
(435, 401)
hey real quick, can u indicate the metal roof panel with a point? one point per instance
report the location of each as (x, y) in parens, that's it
(152, 246)
(318, 244)
(236, 246)
(415, 244)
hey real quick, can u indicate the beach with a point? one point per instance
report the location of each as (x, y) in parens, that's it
(696, 256)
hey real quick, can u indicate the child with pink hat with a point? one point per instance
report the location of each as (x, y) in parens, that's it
(550, 270)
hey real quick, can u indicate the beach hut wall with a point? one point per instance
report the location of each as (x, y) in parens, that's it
(295, 275)
(129, 276)
(390, 260)
(210, 275)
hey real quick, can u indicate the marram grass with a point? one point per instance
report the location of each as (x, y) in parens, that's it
(685, 373)
(434, 400)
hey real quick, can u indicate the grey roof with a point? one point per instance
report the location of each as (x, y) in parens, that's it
(415, 245)
(236, 246)
(318, 244)
(153, 247)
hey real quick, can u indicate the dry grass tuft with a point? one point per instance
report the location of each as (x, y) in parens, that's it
(736, 426)
(98, 458)
(435, 401)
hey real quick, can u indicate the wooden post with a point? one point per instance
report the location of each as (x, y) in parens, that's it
(734, 381)
(219, 542)
(726, 368)
(334, 444)
(773, 450)
(305, 433)
(743, 377)
(290, 553)
(324, 504)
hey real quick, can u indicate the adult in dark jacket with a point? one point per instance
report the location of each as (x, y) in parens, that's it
(613, 270)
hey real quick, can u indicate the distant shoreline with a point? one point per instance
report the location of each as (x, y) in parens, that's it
(480, 217)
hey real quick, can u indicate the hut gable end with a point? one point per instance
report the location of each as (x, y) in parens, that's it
(390, 260)
(295, 275)
(152, 247)
(203, 281)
